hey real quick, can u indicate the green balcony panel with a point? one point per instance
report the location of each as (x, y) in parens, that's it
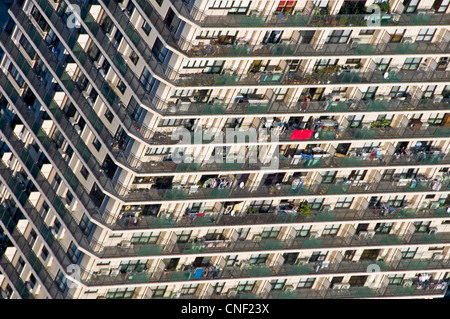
(312, 243)
(273, 245)
(150, 250)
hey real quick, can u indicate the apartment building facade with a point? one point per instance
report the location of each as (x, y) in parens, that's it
(219, 149)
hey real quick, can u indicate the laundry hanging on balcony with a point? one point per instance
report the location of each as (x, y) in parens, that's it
(301, 134)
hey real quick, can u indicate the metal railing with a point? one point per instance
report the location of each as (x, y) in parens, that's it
(271, 20)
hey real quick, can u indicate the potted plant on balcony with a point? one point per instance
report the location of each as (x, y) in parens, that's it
(384, 6)
(304, 208)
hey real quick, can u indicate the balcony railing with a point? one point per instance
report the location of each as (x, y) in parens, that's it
(200, 274)
(273, 50)
(269, 20)
(33, 261)
(293, 245)
(10, 271)
(309, 78)
(264, 107)
(125, 221)
(286, 191)
(285, 164)
(436, 289)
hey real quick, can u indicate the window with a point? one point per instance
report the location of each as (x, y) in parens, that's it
(323, 63)
(382, 64)
(397, 35)
(159, 50)
(368, 93)
(349, 254)
(426, 35)
(120, 293)
(355, 120)
(316, 203)
(318, 256)
(306, 282)
(398, 91)
(357, 175)
(189, 289)
(231, 260)
(159, 2)
(303, 231)
(121, 86)
(440, 6)
(367, 32)
(86, 225)
(271, 232)
(146, 28)
(344, 202)
(411, 63)
(218, 287)
(410, 5)
(408, 253)
(328, 176)
(245, 286)
(396, 201)
(331, 230)
(436, 118)
(44, 253)
(422, 227)
(145, 238)
(74, 254)
(147, 79)
(293, 65)
(109, 115)
(395, 279)
(61, 281)
(339, 36)
(287, 7)
(256, 259)
(277, 284)
(370, 146)
(383, 228)
(133, 265)
(159, 291)
(134, 57)
(280, 94)
(96, 144)
(184, 236)
(130, 8)
(429, 91)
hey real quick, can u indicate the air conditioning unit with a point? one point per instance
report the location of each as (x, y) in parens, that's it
(326, 208)
(393, 70)
(355, 42)
(407, 283)
(254, 13)
(289, 288)
(437, 98)
(438, 256)
(104, 271)
(48, 261)
(313, 235)
(257, 237)
(125, 244)
(114, 272)
(362, 235)
(337, 286)
(407, 40)
(57, 234)
(175, 295)
(35, 290)
(370, 234)
(432, 231)
(346, 286)
(435, 205)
